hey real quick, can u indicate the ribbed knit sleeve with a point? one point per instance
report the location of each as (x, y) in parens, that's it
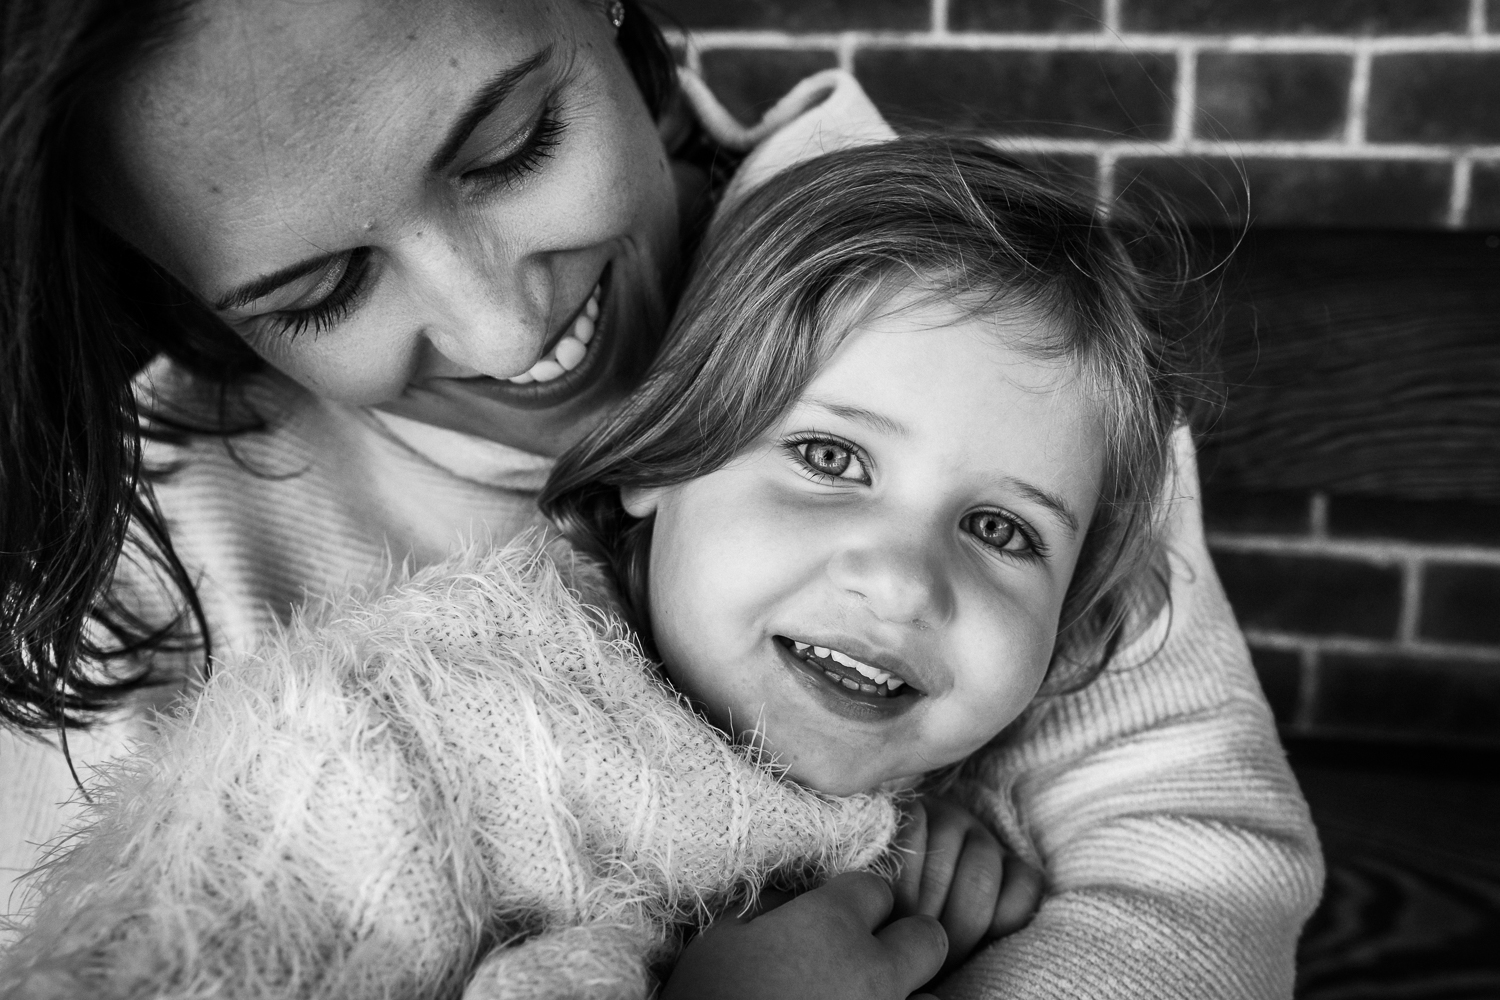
(1180, 857)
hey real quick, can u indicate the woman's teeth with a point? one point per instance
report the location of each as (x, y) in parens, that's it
(877, 678)
(569, 351)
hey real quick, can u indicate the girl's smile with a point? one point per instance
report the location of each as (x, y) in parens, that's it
(872, 590)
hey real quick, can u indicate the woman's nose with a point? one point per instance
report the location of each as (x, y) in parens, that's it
(479, 308)
(900, 583)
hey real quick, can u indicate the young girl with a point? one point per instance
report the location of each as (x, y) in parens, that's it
(894, 474)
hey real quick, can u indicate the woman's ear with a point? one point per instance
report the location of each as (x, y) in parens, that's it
(640, 501)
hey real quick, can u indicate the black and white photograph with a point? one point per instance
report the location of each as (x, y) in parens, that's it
(749, 499)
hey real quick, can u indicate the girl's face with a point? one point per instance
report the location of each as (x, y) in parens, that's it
(405, 204)
(875, 583)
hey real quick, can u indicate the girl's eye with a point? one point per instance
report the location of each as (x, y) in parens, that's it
(999, 531)
(826, 458)
(546, 133)
(345, 285)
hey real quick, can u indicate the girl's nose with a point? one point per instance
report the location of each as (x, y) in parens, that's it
(900, 583)
(480, 309)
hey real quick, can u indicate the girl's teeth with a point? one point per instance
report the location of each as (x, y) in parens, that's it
(570, 350)
(876, 676)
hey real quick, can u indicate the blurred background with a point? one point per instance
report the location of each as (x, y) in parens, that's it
(1348, 153)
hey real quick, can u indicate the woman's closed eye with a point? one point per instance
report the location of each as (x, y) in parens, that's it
(544, 135)
(829, 460)
(334, 297)
(1000, 530)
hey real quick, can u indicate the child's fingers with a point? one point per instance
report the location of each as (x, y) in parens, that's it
(972, 895)
(1020, 895)
(911, 843)
(945, 845)
(916, 947)
(866, 897)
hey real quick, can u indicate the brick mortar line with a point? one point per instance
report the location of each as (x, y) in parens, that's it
(1309, 678)
(1110, 16)
(939, 20)
(1359, 99)
(1292, 642)
(1102, 41)
(1278, 149)
(1386, 553)
(1186, 97)
(1408, 618)
(1460, 193)
(1477, 17)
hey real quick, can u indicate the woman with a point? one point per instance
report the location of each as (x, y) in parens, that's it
(388, 258)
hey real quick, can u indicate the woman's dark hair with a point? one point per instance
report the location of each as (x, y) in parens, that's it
(798, 264)
(80, 314)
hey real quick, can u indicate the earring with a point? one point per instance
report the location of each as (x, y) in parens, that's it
(616, 14)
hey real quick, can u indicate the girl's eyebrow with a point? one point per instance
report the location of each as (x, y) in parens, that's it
(859, 414)
(482, 105)
(1048, 501)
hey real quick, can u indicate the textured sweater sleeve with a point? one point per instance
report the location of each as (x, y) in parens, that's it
(1180, 857)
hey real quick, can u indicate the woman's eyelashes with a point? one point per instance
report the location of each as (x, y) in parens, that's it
(830, 460)
(544, 136)
(1001, 530)
(345, 282)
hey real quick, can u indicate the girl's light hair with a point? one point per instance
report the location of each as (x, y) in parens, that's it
(786, 274)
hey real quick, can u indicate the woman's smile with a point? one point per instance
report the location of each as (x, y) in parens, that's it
(476, 237)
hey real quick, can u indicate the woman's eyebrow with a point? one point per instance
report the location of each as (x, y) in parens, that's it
(489, 97)
(268, 283)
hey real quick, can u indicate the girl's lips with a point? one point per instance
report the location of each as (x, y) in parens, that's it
(850, 703)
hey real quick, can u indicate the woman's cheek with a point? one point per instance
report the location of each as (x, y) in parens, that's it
(351, 364)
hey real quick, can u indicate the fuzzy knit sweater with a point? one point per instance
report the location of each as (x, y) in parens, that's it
(359, 808)
(1179, 854)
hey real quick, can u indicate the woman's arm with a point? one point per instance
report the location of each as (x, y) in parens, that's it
(1180, 856)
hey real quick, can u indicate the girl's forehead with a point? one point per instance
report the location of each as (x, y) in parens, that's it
(1001, 336)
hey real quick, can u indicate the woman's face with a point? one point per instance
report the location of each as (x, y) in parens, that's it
(406, 204)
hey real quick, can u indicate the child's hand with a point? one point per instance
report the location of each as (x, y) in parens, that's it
(822, 945)
(954, 869)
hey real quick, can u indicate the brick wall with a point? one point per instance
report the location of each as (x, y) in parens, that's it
(1367, 617)
(1372, 610)
(1380, 113)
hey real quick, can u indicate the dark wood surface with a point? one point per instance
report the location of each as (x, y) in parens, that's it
(1412, 839)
